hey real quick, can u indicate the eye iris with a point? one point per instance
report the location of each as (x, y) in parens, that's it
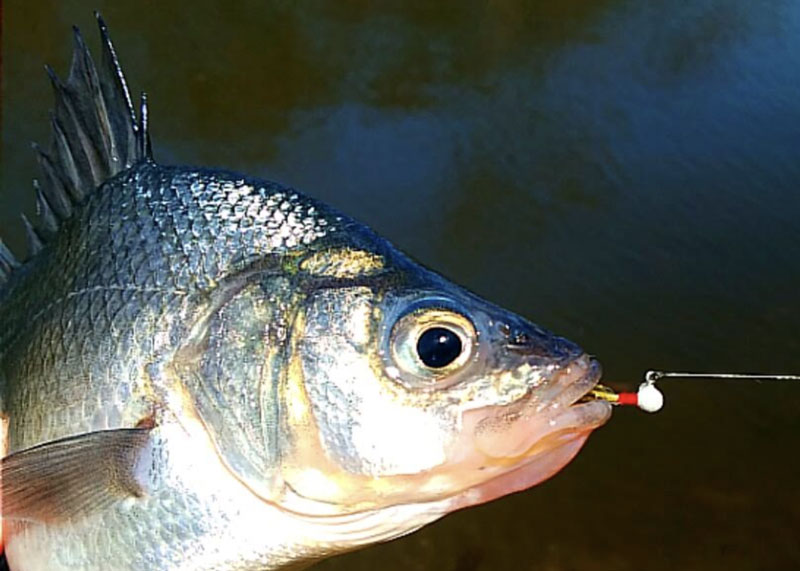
(438, 347)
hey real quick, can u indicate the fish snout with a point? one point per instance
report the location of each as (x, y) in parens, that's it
(539, 346)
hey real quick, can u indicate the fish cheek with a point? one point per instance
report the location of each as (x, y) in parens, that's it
(233, 383)
(357, 434)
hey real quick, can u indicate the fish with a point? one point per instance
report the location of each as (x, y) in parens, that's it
(205, 370)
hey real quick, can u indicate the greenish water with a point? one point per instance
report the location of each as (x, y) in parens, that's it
(625, 173)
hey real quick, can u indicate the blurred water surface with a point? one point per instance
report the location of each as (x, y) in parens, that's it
(626, 173)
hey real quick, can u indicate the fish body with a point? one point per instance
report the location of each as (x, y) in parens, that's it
(202, 370)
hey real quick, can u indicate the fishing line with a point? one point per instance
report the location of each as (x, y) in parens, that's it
(653, 376)
(650, 399)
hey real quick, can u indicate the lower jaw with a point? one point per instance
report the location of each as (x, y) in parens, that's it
(533, 471)
(526, 452)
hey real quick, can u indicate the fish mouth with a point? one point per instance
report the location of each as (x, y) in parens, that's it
(497, 450)
(524, 443)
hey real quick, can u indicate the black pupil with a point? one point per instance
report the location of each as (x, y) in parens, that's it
(438, 347)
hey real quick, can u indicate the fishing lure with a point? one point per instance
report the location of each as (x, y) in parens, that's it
(650, 399)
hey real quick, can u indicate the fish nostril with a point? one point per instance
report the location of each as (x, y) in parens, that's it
(518, 336)
(517, 339)
(521, 338)
(542, 344)
(524, 343)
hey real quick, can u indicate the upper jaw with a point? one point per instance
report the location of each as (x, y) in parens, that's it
(575, 380)
(548, 409)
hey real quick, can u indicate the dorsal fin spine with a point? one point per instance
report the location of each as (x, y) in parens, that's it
(144, 139)
(68, 166)
(35, 240)
(8, 263)
(116, 92)
(46, 215)
(54, 189)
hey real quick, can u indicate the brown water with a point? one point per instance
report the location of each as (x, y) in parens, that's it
(626, 173)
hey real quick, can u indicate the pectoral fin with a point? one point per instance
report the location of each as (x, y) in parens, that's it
(72, 477)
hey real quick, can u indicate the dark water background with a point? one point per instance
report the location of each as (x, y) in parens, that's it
(626, 173)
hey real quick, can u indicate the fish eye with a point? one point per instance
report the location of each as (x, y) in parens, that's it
(432, 344)
(438, 347)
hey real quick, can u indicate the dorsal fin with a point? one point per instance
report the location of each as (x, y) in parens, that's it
(95, 135)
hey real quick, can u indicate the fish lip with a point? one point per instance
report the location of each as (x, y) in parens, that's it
(569, 387)
(584, 384)
(568, 384)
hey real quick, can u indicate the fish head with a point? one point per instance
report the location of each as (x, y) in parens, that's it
(402, 389)
(356, 390)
